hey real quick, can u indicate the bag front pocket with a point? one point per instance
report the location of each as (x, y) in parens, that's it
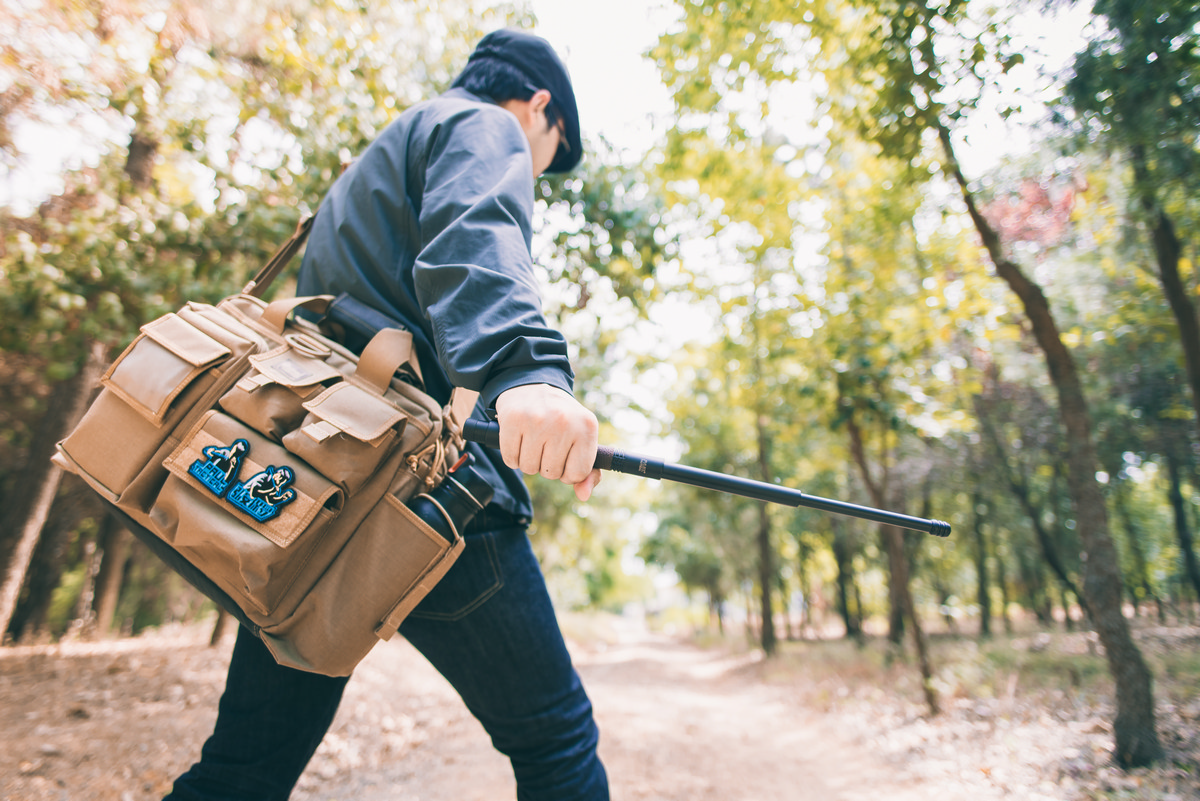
(147, 391)
(270, 397)
(347, 434)
(393, 560)
(242, 509)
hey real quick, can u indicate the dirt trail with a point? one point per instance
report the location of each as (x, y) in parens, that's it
(682, 723)
(677, 723)
(117, 721)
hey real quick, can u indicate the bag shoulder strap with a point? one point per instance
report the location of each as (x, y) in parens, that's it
(271, 270)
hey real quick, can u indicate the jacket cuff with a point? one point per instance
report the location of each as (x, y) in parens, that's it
(507, 379)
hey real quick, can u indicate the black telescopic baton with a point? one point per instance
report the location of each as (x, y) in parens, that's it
(488, 433)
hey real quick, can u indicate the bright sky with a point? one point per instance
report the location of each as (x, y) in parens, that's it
(601, 41)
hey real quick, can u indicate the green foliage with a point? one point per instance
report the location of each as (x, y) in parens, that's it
(246, 121)
(891, 316)
(213, 128)
(112, 265)
(607, 225)
(796, 200)
(891, 67)
(1136, 83)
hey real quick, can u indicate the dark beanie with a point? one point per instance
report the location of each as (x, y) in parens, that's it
(535, 57)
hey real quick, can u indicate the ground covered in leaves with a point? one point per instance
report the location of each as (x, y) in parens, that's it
(1024, 717)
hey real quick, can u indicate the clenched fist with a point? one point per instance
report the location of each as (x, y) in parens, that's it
(544, 430)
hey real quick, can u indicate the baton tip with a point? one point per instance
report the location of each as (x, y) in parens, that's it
(939, 528)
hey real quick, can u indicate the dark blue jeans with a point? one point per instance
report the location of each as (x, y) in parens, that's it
(488, 627)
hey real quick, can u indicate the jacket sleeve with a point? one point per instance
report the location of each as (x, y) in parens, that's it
(474, 275)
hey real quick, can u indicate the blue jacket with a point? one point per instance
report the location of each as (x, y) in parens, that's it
(431, 225)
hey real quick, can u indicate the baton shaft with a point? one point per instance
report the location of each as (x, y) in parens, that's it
(608, 458)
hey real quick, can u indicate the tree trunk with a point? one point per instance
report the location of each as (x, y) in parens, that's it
(894, 538)
(1141, 581)
(845, 580)
(806, 621)
(944, 596)
(1134, 730)
(752, 628)
(1167, 253)
(1033, 585)
(1002, 580)
(225, 624)
(766, 561)
(877, 488)
(895, 591)
(84, 616)
(716, 603)
(139, 161)
(15, 577)
(1183, 530)
(1020, 489)
(785, 605)
(73, 503)
(1065, 599)
(113, 542)
(982, 595)
(28, 505)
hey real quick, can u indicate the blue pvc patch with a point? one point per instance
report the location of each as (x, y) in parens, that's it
(261, 496)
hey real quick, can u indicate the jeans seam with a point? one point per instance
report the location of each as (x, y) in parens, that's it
(489, 543)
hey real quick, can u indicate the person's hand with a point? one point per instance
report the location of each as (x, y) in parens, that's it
(544, 430)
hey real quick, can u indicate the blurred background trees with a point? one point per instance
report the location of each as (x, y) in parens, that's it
(815, 278)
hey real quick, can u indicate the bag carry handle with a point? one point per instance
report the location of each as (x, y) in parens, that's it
(274, 317)
(387, 352)
(258, 285)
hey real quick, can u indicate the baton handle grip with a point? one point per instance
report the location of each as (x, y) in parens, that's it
(487, 433)
(484, 432)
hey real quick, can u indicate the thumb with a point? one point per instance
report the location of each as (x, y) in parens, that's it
(583, 490)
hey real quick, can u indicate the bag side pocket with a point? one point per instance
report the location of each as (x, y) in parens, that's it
(147, 391)
(393, 560)
(162, 362)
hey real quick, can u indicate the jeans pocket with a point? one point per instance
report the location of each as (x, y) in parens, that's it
(470, 582)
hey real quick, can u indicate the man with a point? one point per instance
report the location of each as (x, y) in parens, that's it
(432, 226)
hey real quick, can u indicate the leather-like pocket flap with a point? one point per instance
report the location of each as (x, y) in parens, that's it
(290, 368)
(355, 411)
(186, 341)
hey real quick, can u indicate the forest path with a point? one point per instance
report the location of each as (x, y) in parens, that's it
(684, 723)
(678, 723)
(119, 720)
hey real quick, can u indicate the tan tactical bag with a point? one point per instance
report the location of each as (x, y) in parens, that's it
(271, 467)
